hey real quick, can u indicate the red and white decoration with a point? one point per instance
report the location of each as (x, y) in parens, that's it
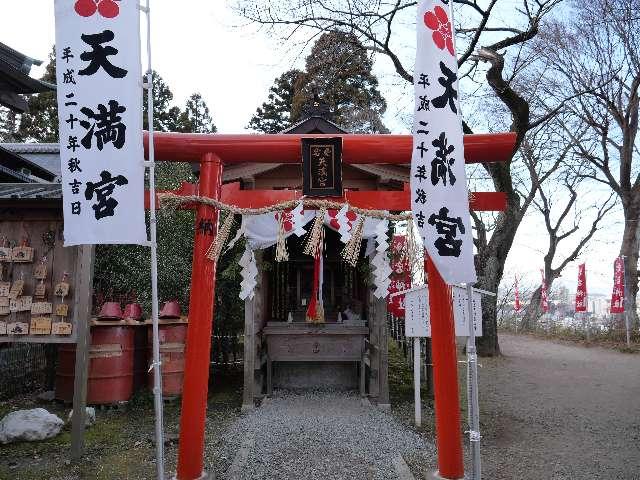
(617, 296)
(100, 121)
(517, 306)
(400, 275)
(544, 295)
(581, 290)
(439, 195)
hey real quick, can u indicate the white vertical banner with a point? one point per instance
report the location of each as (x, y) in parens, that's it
(99, 87)
(439, 196)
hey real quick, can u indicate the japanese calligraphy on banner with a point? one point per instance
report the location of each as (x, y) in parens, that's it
(544, 294)
(617, 296)
(400, 275)
(439, 197)
(581, 290)
(100, 112)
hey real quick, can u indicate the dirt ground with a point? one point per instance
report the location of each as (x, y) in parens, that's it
(560, 411)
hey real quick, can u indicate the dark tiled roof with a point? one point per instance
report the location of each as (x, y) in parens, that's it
(33, 191)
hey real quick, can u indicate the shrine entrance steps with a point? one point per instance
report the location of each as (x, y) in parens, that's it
(321, 435)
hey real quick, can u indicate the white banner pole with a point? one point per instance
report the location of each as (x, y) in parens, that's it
(416, 381)
(156, 365)
(472, 391)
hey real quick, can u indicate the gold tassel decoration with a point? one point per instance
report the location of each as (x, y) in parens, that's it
(314, 237)
(214, 251)
(351, 250)
(281, 246)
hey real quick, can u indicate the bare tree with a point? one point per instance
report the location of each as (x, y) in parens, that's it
(377, 23)
(568, 217)
(599, 54)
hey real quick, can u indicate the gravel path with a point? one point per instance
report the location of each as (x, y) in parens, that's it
(320, 435)
(556, 411)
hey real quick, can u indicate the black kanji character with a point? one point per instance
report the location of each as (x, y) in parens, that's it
(71, 120)
(73, 143)
(423, 124)
(420, 219)
(99, 53)
(75, 186)
(110, 128)
(205, 226)
(424, 103)
(67, 77)
(421, 173)
(74, 165)
(446, 226)
(421, 196)
(450, 94)
(66, 54)
(424, 80)
(105, 207)
(441, 164)
(71, 95)
(75, 208)
(422, 149)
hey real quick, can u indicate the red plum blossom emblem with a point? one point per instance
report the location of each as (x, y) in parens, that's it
(106, 8)
(438, 21)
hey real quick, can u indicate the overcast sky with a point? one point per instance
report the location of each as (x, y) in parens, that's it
(201, 46)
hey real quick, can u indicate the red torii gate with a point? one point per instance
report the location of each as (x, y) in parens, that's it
(213, 151)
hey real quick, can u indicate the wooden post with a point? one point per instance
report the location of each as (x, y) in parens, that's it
(201, 311)
(383, 343)
(416, 381)
(82, 314)
(445, 373)
(374, 352)
(249, 355)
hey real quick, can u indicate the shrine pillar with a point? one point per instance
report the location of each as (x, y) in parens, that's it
(445, 375)
(201, 311)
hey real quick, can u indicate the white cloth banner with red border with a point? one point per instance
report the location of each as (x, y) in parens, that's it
(99, 93)
(544, 294)
(439, 196)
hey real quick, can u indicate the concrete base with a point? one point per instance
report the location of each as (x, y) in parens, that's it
(385, 406)
(247, 408)
(436, 476)
(204, 476)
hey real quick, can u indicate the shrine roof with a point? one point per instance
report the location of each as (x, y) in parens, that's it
(314, 124)
(15, 167)
(15, 79)
(32, 191)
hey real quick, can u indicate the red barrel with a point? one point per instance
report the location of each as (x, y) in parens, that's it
(110, 366)
(172, 348)
(140, 366)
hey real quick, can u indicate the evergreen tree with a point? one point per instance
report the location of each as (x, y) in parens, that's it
(165, 117)
(338, 68)
(40, 123)
(9, 124)
(275, 114)
(196, 117)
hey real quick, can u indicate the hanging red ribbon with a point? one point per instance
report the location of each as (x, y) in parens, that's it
(312, 310)
(517, 305)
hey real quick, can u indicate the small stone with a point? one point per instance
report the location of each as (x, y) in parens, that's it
(48, 396)
(89, 419)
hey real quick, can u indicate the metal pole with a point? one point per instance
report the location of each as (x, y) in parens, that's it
(416, 381)
(472, 391)
(156, 365)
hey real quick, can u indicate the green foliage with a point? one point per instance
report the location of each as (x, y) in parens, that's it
(40, 123)
(339, 70)
(275, 114)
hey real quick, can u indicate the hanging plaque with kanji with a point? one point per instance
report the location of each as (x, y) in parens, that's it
(439, 197)
(322, 167)
(100, 117)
